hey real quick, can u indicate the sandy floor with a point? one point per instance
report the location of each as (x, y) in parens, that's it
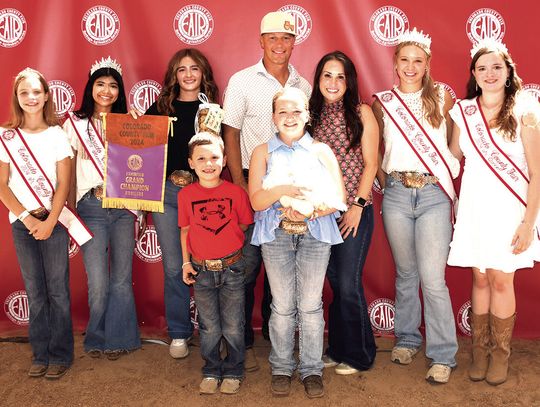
(149, 377)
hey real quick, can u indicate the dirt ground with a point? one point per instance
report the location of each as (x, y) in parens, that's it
(150, 377)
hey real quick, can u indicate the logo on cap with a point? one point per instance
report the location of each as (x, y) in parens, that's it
(12, 27)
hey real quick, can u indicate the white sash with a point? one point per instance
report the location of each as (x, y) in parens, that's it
(39, 185)
(500, 164)
(419, 141)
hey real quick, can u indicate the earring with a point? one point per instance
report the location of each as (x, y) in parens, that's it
(507, 83)
(476, 86)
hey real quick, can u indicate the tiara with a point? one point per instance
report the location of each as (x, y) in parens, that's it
(489, 43)
(416, 37)
(106, 63)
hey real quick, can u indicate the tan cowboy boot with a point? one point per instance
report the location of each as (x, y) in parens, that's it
(501, 335)
(480, 346)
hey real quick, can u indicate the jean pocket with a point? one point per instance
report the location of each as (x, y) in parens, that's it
(238, 268)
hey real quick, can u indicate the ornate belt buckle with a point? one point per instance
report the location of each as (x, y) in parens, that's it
(294, 228)
(98, 192)
(40, 213)
(414, 180)
(181, 178)
(214, 265)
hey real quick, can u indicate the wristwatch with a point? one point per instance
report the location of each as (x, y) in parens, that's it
(359, 201)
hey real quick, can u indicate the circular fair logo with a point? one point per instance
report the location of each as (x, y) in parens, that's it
(16, 308)
(143, 94)
(381, 314)
(193, 24)
(387, 24)
(8, 135)
(135, 162)
(12, 27)
(470, 110)
(63, 96)
(147, 248)
(302, 21)
(485, 23)
(73, 248)
(449, 89)
(100, 25)
(193, 312)
(387, 97)
(533, 89)
(464, 318)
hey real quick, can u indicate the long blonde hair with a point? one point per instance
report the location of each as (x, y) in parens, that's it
(430, 91)
(16, 114)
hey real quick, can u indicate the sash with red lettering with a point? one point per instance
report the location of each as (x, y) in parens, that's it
(40, 186)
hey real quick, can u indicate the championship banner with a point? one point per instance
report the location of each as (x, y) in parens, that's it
(135, 161)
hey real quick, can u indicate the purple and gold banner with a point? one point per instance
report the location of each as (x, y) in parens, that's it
(135, 162)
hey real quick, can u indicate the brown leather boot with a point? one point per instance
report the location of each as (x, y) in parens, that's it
(501, 335)
(480, 347)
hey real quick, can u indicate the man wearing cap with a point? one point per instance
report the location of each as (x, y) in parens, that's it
(248, 123)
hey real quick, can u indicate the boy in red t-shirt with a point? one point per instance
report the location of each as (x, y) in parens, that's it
(212, 215)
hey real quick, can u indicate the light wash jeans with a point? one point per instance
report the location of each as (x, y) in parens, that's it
(108, 260)
(45, 270)
(296, 268)
(177, 294)
(419, 230)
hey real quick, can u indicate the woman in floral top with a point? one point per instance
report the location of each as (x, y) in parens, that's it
(349, 127)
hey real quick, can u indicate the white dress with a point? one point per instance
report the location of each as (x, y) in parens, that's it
(488, 213)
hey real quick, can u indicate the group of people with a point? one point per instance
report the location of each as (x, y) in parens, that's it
(412, 139)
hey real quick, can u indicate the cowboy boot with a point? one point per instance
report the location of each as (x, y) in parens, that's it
(501, 335)
(480, 347)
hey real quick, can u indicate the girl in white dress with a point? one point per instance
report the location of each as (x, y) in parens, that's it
(495, 232)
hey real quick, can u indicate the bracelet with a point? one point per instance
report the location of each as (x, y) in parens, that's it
(357, 204)
(23, 215)
(185, 264)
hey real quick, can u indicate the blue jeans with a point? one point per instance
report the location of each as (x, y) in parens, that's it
(219, 296)
(108, 259)
(45, 270)
(177, 294)
(350, 337)
(296, 267)
(418, 227)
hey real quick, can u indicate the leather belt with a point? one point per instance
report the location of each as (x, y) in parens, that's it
(292, 227)
(181, 178)
(97, 192)
(411, 179)
(40, 213)
(219, 264)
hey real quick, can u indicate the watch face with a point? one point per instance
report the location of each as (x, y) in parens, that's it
(361, 201)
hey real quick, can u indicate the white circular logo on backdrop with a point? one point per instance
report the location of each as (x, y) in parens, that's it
(381, 314)
(100, 25)
(73, 248)
(12, 27)
(143, 94)
(485, 23)
(449, 89)
(193, 24)
(464, 318)
(533, 89)
(63, 96)
(147, 248)
(302, 21)
(387, 24)
(16, 308)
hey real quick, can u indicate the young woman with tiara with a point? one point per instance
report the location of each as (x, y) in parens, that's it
(496, 129)
(112, 325)
(416, 174)
(34, 182)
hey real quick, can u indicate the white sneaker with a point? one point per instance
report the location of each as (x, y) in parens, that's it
(345, 369)
(328, 361)
(178, 348)
(403, 356)
(438, 374)
(230, 386)
(209, 385)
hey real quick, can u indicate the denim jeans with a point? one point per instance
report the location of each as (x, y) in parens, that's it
(108, 260)
(296, 267)
(418, 227)
(350, 337)
(177, 294)
(45, 270)
(219, 296)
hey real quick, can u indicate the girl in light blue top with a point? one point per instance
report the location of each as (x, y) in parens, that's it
(295, 245)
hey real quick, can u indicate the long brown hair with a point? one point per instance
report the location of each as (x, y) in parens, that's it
(16, 114)
(430, 91)
(505, 119)
(171, 88)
